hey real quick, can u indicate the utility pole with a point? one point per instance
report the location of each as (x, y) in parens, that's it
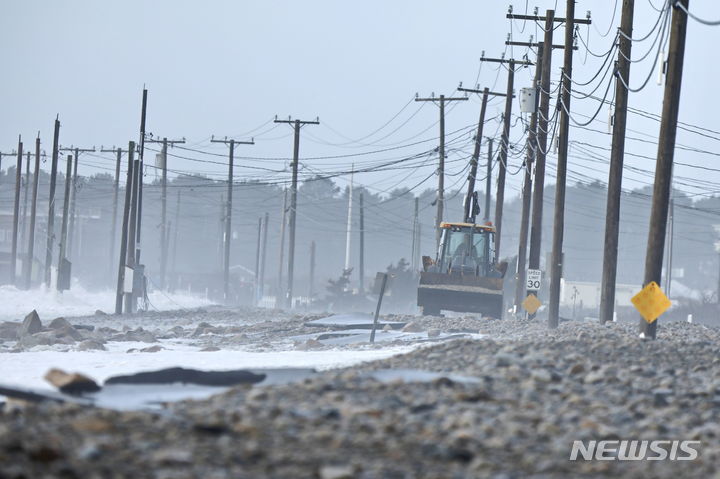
(504, 146)
(163, 207)
(119, 291)
(264, 255)
(281, 256)
(469, 215)
(556, 267)
(670, 242)
(666, 149)
(116, 191)
(542, 128)
(527, 192)
(16, 212)
(63, 272)
(23, 232)
(297, 124)
(257, 263)
(488, 179)
(361, 265)
(348, 230)
(131, 257)
(414, 261)
(51, 203)
(311, 290)
(73, 194)
(441, 153)
(175, 240)
(617, 152)
(140, 171)
(27, 271)
(228, 213)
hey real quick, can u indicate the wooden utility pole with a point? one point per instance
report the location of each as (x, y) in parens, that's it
(666, 149)
(131, 257)
(311, 288)
(414, 260)
(175, 240)
(116, 191)
(556, 268)
(617, 152)
(119, 291)
(361, 263)
(441, 164)
(163, 208)
(257, 263)
(16, 212)
(26, 187)
(51, 203)
(73, 194)
(281, 256)
(27, 271)
(140, 171)
(542, 129)
(527, 192)
(264, 255)
(297, 124)
(348, 229)
(469, 216)
(62, 271)
(504, 146)
(488, 180)
(227, 237)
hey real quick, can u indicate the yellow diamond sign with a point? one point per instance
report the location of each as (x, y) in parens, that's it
(651, 302)
(531, 303)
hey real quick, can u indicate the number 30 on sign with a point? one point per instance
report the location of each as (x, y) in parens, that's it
(533, 279)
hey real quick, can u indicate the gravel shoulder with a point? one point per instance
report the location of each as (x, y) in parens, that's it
(530, 393)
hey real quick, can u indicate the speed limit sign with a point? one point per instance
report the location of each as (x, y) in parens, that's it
(533, 279)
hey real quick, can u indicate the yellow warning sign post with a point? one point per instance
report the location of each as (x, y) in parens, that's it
(531, 303)
(651, 302)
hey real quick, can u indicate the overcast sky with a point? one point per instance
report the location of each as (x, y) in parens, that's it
(226, 67)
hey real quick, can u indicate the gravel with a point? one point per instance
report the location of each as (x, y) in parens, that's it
(533, 393)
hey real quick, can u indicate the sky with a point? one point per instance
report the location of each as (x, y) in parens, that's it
(226, 68)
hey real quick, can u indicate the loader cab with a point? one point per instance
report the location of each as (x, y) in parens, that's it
(466, 249)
